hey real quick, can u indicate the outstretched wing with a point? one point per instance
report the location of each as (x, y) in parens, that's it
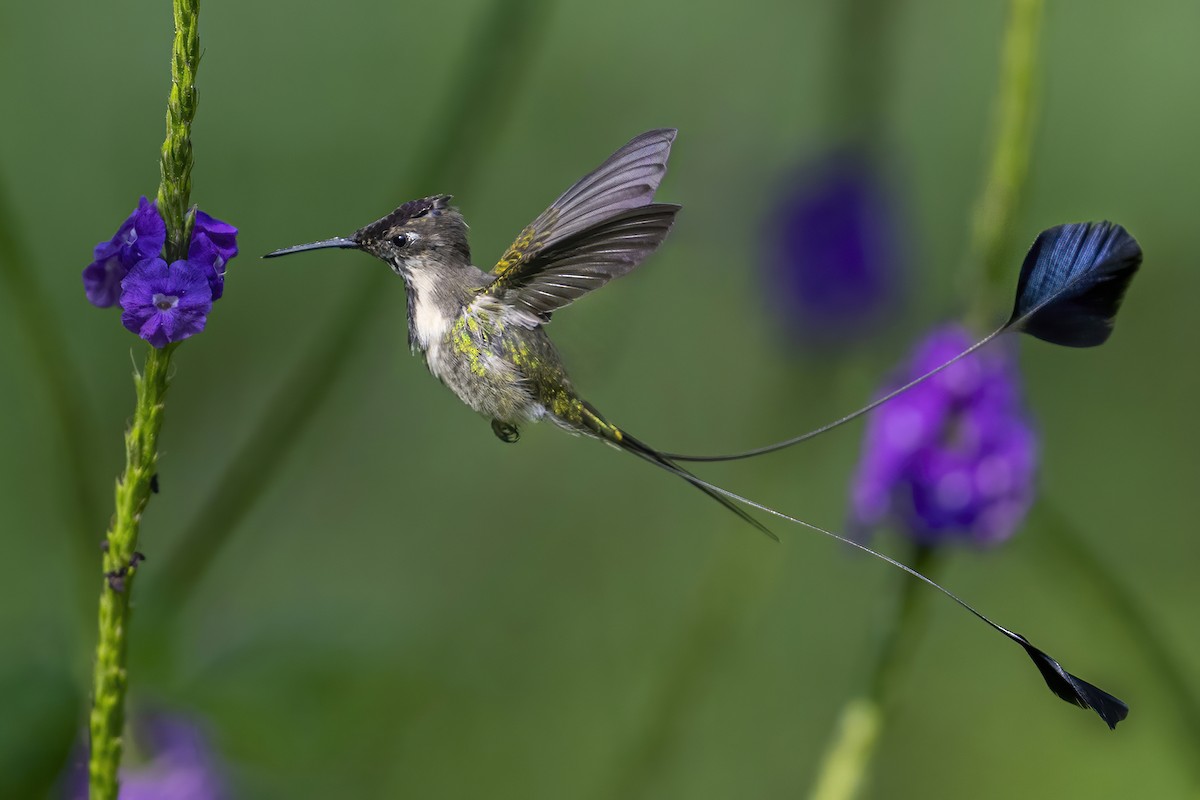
(563, 272)
(595, 219)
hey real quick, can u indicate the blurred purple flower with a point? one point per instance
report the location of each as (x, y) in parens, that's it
(955, 456)
(213, 243)
(166, 303)
(140, 236)
(834, 263)
(178, 764)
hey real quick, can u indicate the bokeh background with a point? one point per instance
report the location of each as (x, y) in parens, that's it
(393, 603)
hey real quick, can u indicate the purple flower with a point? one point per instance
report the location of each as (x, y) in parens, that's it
(955, 456)
(177, 764)
(102, 278)
(213, 243)
(162, 303)
(140, 236)
(166, 303)
(833, 253)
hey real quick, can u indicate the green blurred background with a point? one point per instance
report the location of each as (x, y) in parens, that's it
(410, 608)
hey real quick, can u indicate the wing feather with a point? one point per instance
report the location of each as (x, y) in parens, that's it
(591, 258)
(627, 180)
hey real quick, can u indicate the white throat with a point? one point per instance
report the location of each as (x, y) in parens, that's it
(430, 323)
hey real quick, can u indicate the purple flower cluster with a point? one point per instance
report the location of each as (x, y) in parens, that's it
(834, 264)
(954, 457)
(161, 302)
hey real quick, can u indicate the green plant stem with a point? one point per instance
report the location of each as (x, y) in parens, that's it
(133, 491)
(49, 353)
(175, 187)
(847, 762)
(1008, 166)
(735, 583)
(485, 94)
(861, 69)
(846, 765)
(903, 636)
(110, 679)
(1058, 529)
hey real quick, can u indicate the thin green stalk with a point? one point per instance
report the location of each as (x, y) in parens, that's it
(732, 586)
(902, 638)
(1008, 167)
(1182, 687)
(485, 93)
(133, 491)
(847, 762)
(49, 354)
(861, 68)
(110, 679)
(175, 187)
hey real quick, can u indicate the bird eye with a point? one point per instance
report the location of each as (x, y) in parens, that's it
(400, 239)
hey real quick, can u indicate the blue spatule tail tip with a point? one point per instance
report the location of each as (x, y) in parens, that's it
(1072, 283)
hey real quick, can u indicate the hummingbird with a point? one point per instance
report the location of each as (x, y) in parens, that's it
(482, 333)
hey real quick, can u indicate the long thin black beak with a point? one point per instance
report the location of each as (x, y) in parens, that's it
(345, 244)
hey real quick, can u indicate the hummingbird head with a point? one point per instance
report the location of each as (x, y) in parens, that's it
(420, 234)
